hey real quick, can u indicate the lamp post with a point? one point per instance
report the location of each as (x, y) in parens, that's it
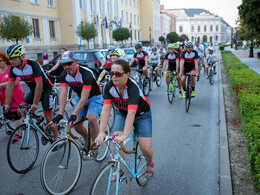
(130, 27)
(251, 53)
(236, 38)
(150, 29)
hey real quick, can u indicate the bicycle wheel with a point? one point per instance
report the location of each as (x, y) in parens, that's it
(21, 157)
(151, 80)
(146, 87)
(55, 101)
(103, 150)
(9, 126)
(104, 185)
(72, 97)
(140, 164)
(60, 169)
(188, 99)
(159, 79)
(211, 77)
(170, 92)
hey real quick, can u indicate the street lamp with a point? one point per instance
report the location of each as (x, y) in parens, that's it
(150, 29)
(251, 53)
(236, 38)
(130, 27)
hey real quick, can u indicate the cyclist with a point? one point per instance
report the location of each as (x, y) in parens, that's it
(58, 66)
(173, 64)
(189, 63)
(201, 52)
(113, 56)
(155, 60)
(141, 58)
(34, 76)
(133, 107)
(211, 59)
(162, 53)
(17, 96)
(179, 50)
(88, 98)
(108, 60)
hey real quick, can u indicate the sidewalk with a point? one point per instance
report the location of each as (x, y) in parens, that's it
(252, 63)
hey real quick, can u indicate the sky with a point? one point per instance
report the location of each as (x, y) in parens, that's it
(227, 9)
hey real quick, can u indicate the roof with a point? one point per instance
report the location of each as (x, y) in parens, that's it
(190, 12)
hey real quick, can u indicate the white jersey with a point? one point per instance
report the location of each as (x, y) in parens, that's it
(200, 50)
(154, 58)
(161, 52)
(211, 58)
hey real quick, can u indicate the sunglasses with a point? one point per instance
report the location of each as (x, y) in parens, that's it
(67, 64)
(117, 74)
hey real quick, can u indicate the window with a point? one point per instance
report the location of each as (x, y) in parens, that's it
(137, 4)
(130, 3)
(138, 20)
(198, 28)
(91, 5)
(126, 15)
(52, 29)
(180, 28)
(205, 28)
(192, 39)
(126, 2)
(192, 28)
(217, 28)
(131, 18)
(122, 16)
(36, 30)
(35, 1)
(51, 3)
(211, 28)
(134, 3)
(216, 38)
(81, 4)
(134, 19)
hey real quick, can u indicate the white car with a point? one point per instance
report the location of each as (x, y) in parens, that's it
(130, 53)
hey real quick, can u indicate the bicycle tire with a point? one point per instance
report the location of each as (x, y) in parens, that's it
(140, 161)
(11, 125)
(170, 92)
(158, 80)
(151, 80)
(18, 165)
(112, 117)
(146, 87)
(188, 99)
(103, 179)
(72, 97)
(55, 101)
(54, 164)
(211, 77)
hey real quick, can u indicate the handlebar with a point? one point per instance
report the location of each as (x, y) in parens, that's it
(53, 76)
(125, 150)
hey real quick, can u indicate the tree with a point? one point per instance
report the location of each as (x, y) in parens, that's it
(86, 31)
(121, 34)
(249, 13)
(172, 37)
(183, 37)
(161, 38)
(14, 28)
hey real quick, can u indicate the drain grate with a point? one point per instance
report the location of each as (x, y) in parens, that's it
(196, 125)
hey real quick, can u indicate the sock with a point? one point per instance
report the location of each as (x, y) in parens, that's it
(193, 88)
(179, 90)
(184, 89)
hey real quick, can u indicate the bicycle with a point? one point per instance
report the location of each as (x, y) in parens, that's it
(211, 73)
(188, 92)
(22, 155)
(154, 77)
(125, 173)
(172, 86)
(143, 82)
(8, 125)
(60, 170)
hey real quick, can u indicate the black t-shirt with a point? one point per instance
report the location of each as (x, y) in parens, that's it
(84, 79)
(141, 57)
(189, 58)
(171, 58)
(133, 98)
(31, 72)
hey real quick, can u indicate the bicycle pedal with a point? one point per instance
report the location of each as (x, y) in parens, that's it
(44, 140)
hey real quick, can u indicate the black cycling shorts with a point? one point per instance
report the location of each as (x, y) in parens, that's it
(171, 67)
(187, 69)
(46, 99)
(12, 115)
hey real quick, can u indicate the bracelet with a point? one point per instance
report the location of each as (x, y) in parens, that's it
(99, 79)
(49, 71)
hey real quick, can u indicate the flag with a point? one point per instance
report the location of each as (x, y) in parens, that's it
(115, 22)
(97, 20)
(106, 24)
(120, 23)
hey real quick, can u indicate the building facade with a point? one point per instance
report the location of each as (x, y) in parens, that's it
(201, 25)
(54, 22)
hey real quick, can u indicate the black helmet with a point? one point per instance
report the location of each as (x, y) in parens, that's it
(154, 49)
(138, 45)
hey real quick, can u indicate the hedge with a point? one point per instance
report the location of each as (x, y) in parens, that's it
(245, 83)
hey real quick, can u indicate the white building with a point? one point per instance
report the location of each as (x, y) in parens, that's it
(201, 25)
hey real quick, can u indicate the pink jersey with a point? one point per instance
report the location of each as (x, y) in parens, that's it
(17, 97)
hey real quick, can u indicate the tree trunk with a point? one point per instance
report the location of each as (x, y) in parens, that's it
(16, 41)
(88, 43)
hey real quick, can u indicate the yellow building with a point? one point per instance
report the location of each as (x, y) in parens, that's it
(54, 22)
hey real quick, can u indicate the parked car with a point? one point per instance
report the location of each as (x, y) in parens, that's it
(92, 59)
(130, 53)
(104, 52)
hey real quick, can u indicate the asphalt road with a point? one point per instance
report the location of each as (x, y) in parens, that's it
(186, 151)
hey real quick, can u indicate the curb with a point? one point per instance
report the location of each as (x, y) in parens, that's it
(225, 185)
